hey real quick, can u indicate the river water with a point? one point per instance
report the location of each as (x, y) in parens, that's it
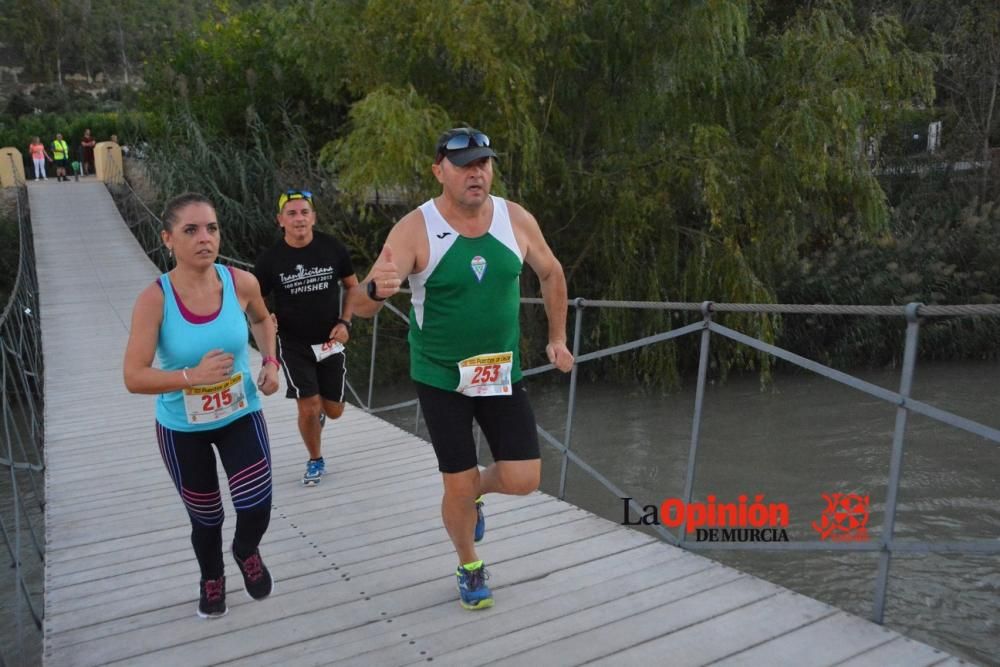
(800, 438)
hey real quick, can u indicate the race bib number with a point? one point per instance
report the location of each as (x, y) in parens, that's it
(324, 350)
(485, 374)
(207, 403)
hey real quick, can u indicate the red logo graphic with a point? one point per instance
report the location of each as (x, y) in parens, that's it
(845, 518)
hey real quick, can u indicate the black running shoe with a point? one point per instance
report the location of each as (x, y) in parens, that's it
(213, 598)
(256, 577)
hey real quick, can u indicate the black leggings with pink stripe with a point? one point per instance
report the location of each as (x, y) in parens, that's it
(246, 457)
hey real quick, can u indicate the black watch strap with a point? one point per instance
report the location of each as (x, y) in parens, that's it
(372, 290)
(346, 323)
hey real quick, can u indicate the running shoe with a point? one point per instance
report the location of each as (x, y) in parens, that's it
(322, 420)
(480, 520)
(472, 588)
(256, 577)
(212, 602)
(314, 472)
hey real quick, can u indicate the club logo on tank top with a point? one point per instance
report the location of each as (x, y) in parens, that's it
(478, 265)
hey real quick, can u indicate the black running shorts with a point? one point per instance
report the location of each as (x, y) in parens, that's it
(507, 422)
(305, 377)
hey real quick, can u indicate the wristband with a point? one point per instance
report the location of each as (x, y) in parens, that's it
(184, 372)
(272, 360)
(346, 323)
(372, 289)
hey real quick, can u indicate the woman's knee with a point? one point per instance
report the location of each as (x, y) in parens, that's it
(258, 516)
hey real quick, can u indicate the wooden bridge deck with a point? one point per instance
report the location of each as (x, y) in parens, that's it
(362, 563)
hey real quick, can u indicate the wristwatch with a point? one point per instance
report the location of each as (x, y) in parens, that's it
(372, 289)
(346, 323)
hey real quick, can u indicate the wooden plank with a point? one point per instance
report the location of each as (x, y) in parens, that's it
(897, 651)
(581, 566)
(531, 625)
(732, 632)
(608, 629)
(836, 637)
(329, 610)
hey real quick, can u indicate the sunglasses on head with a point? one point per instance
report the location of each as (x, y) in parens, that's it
(290, 195)
(466, 140)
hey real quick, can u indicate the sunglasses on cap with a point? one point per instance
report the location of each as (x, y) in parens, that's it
(466, 140)
(290, 195)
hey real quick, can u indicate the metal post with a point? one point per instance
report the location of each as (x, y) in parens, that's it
(896, 462)
(371, 368)
(699, 400)
(578, 303)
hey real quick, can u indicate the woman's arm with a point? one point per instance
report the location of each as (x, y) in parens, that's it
(140, 376)
(261, 326)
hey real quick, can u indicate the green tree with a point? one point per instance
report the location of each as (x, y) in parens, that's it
(970, 78)
(671, 150)
(228, 71)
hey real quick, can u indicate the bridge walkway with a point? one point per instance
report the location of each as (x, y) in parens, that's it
(362, 563)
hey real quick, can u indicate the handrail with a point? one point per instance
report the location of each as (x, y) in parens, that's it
(21, 417)
(887, 544)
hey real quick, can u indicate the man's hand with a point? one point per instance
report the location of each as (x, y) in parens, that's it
(560, 356)
(267, 380)
(385, 274)
(340, 333)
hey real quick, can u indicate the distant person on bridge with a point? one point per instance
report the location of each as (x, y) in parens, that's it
(463, 252)
(60, 155)
(87, 152)
(304, 270)
(193, 319)
(38, 157)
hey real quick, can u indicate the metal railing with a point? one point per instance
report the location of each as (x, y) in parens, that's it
(21, 429)
(886, 545)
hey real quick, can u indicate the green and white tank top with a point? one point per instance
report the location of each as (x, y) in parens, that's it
(464, 327)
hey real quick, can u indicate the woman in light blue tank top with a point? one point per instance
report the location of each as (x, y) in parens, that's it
(194, 320)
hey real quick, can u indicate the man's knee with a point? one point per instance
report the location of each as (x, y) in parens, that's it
(461, 485)
(333, 409)
(310, 407)
(521, 477)
(523, 486)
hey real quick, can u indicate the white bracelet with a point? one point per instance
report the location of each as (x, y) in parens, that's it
(184, 372)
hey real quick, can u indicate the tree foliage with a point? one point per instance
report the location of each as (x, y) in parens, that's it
(676, 150)
(229, 70)
(671, 150)
(59, 37)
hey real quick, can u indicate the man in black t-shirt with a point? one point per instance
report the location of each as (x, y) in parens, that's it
(304, 270)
